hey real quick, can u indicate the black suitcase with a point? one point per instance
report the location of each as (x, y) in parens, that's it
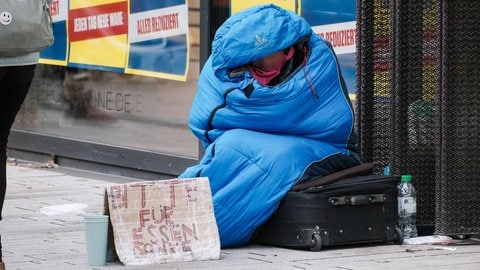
(360, 209)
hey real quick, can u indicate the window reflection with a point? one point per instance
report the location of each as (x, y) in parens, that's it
(130, 111)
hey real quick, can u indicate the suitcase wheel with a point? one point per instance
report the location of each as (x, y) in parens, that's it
(316, 242)
(398, 236)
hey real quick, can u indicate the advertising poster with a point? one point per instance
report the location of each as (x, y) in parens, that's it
(157, 38)
(130, 36)
(57, 54)
(333, 20)
(237, 5)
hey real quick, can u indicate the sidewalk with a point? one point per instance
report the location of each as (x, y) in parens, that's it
(34, 240)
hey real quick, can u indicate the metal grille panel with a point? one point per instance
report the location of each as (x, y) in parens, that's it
(397, 58)
(458, 173)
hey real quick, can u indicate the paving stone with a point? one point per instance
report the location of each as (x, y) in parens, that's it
(32, 240)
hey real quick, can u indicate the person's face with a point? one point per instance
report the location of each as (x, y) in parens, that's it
(271, 61)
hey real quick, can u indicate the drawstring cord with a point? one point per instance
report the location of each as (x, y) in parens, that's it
(306, 72)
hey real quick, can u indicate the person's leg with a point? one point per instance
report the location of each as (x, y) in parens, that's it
(329, 165)
(14, 85)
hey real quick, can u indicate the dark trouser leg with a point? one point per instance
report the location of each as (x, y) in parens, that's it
(14, 84)
(3, 180)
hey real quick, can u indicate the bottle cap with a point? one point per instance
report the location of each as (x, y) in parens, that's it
(406, 178)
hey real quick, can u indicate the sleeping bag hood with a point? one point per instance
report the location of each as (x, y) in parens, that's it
(253, 34)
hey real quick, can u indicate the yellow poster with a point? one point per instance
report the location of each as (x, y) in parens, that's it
(98, 32)
(237, 5)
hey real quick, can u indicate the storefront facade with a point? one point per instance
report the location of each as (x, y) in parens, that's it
(89, 110)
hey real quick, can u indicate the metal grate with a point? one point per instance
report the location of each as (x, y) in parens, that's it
(418, 89)
(458, 173)
(397, 77)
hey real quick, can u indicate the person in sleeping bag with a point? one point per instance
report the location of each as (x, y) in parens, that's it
(271, 110)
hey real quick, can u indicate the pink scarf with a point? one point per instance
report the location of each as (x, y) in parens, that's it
(265, 76)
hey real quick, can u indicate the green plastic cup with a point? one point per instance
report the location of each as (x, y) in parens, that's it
(96, 235)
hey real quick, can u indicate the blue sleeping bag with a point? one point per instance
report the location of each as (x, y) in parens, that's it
(261, 140)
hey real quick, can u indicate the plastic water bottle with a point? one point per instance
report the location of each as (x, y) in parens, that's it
(407, 207)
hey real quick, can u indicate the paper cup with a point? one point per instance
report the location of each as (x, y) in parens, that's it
(96, 235)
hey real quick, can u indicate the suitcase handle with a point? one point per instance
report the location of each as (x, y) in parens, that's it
(357, 199)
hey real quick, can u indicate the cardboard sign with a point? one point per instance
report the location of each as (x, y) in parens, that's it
(163, 221)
